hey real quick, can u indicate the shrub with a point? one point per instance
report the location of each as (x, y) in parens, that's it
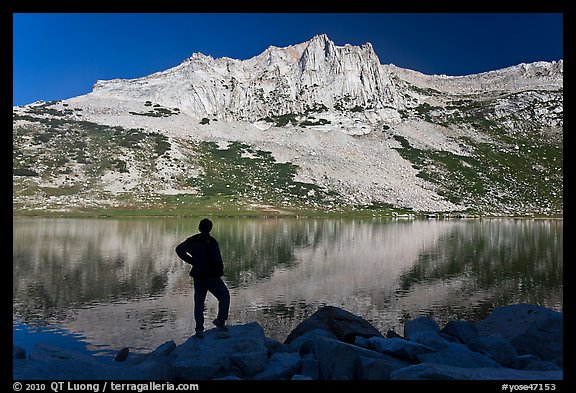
(24, 172)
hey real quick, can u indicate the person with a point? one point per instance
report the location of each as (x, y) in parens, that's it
(203, 253)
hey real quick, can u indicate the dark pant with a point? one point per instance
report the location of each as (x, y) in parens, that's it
(216, 287)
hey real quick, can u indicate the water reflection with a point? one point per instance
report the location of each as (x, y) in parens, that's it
(119, 283)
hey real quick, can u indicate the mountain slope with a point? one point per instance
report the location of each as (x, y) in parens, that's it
(309, 126)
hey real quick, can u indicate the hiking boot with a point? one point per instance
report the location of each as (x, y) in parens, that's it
(220, 325)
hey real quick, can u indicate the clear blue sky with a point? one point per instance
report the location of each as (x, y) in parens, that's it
(58, 56)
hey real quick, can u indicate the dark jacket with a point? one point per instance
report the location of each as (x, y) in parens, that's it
(203, 253)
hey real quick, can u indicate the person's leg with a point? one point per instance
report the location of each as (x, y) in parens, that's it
(218, 288)
(200, 292)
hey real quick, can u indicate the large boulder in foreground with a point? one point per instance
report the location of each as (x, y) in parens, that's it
(343, 324)
(242, 353)
(531, 329)
(338, 360)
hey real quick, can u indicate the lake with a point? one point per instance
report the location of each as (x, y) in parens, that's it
(104, 284)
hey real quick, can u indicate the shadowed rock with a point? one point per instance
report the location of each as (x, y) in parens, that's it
(425, 331)
(242, 354)
(318, 351)
(343, 324)
(397, 347)
(428, 371)
(18, 352)
(464, 331)
(498, 347)
(458, 355)
(122, 354)
(531, 329)
(338, 360)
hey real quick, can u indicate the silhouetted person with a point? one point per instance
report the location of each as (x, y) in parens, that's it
(203, 253)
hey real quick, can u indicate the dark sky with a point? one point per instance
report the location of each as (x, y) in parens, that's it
(58, 56)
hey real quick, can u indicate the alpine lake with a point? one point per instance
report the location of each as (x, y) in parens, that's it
(98, 285)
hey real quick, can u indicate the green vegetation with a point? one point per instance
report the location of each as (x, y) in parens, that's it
(78, 152)
(282, 120)
(506, 170)
(343, 104)
(319, 122)
(315, 108)
(246, 174)
(295, 118)
(515, 162)
(157, 111)
(24, 172)
(495, 178)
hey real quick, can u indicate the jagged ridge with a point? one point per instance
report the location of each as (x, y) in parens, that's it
(292, 79)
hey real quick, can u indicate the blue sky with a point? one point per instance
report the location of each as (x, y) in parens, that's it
(58, 56)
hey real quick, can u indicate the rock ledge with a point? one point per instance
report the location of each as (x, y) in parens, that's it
(516, 342)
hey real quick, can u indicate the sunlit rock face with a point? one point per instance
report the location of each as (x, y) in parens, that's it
(312, 75)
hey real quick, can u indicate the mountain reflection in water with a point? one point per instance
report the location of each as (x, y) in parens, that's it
(118, 282)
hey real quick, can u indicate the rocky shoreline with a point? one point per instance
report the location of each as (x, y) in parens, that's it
(515, 342)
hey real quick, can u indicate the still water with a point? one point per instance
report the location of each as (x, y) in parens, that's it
(112, 283)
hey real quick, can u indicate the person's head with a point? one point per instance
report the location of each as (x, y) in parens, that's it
(205, 226)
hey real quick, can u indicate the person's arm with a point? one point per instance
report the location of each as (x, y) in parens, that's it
(182, 251)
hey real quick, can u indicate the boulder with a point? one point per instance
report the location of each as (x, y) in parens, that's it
(541, 365)
(277, 346)
(157, 370)
(338, 360)
(459, 355)
(305, 343)
(524, 360)
(158, 364)
(420, 325)
(343, 324)
(281, 365)
(18, 352)
(498, 347)
(428, 371)
(396, 347)
(163, 350)
(310, 367)
(464, 331)
(374, 369)
(425, 331)
(122, 354)
(242, 354)
(531, 329)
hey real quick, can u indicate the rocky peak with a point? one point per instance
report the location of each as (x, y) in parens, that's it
(277, 82)
(319, 51)
(344, 80)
